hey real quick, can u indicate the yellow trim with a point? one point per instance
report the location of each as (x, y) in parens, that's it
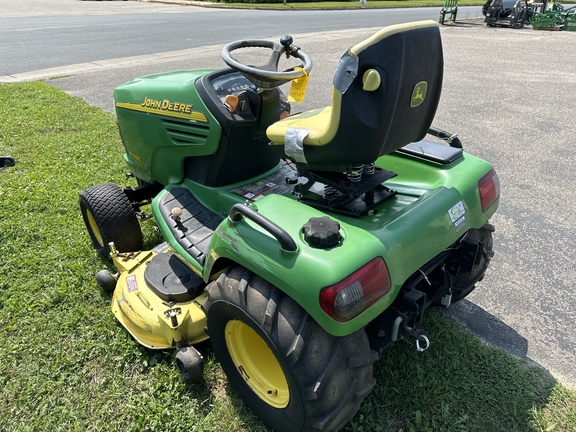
(194, 115)
(257, 364)
(94, 227)
(371, 80)
(389, 31)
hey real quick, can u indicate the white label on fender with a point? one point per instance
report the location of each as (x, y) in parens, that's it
(460, 223)
(456, 212)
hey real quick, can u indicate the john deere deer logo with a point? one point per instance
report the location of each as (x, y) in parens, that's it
(418, 94)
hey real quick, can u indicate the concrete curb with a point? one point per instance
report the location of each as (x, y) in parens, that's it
(63, 71)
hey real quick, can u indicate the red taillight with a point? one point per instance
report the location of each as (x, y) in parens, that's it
(489, 188)
(357, 292)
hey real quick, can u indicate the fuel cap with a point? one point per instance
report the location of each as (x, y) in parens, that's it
(322, 232)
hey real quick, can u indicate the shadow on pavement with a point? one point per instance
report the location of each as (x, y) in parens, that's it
(489, 328)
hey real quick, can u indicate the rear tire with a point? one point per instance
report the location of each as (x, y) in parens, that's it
(109, 217)
(287, 369)
(464, 284)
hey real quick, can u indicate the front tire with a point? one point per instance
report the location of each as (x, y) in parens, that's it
(190, 363)
(106, 280)
(287, 369)
(109, 217)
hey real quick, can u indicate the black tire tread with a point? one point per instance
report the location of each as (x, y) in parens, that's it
(333, 374)
(114, 216)
(296, 348)
(365, 391)
(464, 284)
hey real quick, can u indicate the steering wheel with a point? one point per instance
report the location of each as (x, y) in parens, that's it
(268, 76)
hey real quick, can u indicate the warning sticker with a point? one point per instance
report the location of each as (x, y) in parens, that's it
(131, 283)
(460, 223)
(456, 212)
(273, 184)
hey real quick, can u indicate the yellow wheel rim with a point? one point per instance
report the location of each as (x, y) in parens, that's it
(94, 227)
(257, 364)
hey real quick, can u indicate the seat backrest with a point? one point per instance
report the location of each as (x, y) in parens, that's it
(390, 102)
(409, 62)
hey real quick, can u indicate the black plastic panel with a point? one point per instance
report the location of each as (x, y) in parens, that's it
(196, 225)
(171, 280)
(432, 151)
(243, 151)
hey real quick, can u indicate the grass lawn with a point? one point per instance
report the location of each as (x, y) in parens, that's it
(66, 365)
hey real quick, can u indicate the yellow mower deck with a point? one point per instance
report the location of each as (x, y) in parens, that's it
(153, 322)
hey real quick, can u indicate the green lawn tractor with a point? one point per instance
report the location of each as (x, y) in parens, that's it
(301, 245)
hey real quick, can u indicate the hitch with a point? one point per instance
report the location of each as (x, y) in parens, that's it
(412, 308)
(410, 315)
(421, 337)
(406, 331)
(407, 323)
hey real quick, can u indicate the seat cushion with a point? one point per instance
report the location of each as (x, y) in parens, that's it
(321, 123)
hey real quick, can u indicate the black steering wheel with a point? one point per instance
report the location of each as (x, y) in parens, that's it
(267, 76)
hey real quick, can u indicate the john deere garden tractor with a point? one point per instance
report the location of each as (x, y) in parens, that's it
(300, 245)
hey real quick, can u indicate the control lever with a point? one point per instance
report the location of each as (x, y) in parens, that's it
(286, 42)
(237, 103)
(231, 102)
(451, 139)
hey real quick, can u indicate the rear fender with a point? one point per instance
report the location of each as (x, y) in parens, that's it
(433, 209)
(303, 273)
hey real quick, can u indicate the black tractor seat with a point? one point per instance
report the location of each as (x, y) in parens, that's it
(385, 94)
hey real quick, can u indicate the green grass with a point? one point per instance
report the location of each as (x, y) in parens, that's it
(66, 365)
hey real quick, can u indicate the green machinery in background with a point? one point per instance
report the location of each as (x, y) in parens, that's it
(449, 9)
(547, 15)
(554, 17)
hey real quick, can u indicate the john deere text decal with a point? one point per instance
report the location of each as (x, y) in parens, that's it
(167, 108)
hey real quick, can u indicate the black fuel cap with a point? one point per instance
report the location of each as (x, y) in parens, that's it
(322, 232)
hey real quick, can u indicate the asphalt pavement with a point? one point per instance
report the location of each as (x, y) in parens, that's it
(37, 8)
(33, 43)
(508, 95)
